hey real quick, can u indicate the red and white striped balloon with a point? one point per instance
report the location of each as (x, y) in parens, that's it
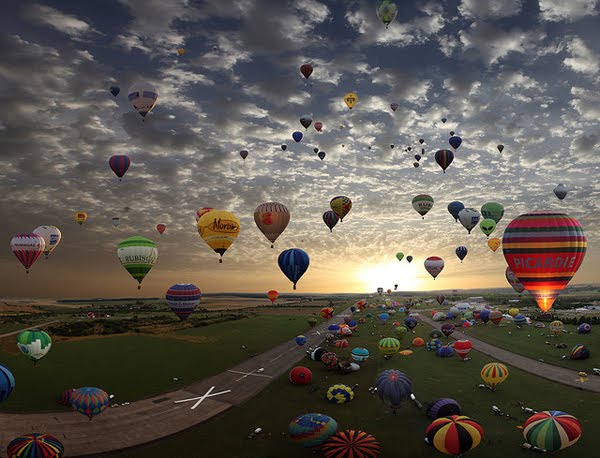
(27, 248)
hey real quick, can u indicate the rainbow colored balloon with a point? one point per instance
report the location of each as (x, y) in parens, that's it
(552, 430)
(544, 250)
(312, 429)
(494, 373)
(35, 445)
(90, 401)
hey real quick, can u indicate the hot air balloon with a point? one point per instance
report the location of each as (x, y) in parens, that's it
(561, 191)
(34, 344)
(301, 340)
(306, 70)
(293, 263)
(417, 157)
(492, 210)
(487, 226)
(317, 353)
(161, 228)
(115, 221)
(35, 446)
(244, 154)
(321, 155)
(341, 205)
(350, 443)
(520, 319)
(300, 375)
(350, 98)
(444, 407)
(80, 217)
(494, 243)
(318, 126)
(544, 250)
(448, 329)
(90, 401)
(461, 252)
(462, 348)
(496, 317)
(360, 354)
(584, 328)
(454, 141)
(306, 121)
(394, 106)
(283, 147)
(493, 374)
(399, 256)
(557, 327)
(66, 397)
(297, 136)
(393, 387)
(219, 229)
(27, 248)
(389, 346)
(444, 120)
(7, 383)
(331, 219)
(273, 295)
(143, 97)
(311, 429)
(183, 298)
(434, 344)
(409, 259)
(119, 164)
(454, 435)
(202, 211)
(326, 313)
(386, 11)
(114, 90)
(440, 298)
(579, 352)
(500, 148)
(551, 430)
(422, 204)
(434, 265)
(272, 218)
(444, 158)
(454, 208)
(330, 360)
(340, 394)
(180, 51)
(512, 279)
(469, 217)
(138, 255)
(51, 236)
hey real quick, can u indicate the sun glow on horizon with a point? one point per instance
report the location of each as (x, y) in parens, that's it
(387, 275)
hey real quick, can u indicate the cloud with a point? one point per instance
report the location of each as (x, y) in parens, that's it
(61, 22)
(583, 59)
(487, 9)
(572, 10)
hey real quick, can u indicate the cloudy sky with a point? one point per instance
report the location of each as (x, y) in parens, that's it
(523, 73)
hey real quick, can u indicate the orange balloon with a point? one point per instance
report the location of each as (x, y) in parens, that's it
(418, 342)
(273, 295)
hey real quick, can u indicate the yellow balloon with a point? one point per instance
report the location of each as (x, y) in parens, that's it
(513, 311)
(494, 243)
(350, 98)
(219, 229)
(180, 51)
(80, 217)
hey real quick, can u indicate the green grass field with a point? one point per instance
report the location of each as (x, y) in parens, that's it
(135, 367)
(401, 434)
(535, 346)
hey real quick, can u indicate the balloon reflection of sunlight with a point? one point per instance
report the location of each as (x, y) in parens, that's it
(388, 275)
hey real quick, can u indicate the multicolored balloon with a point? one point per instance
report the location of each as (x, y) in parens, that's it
(350, 99)
(393, 387)
(350, 443)
(35, 446)
(90, 401)
(52, 237)
(143, 97)
(80, 217)
(389, 346)
(493, 374)
(340, 394)
(551, 430)
(434, 265)
(341, 205)
(119, 164)
(300, 340)
(293, 263)
(219, 229)
(312, 429)
(544, 250)
(202, 211)
(137, 255)
(454, 435)
(272, 218)
(183, 298)
(273, 295)
(27, 248)
(386, 11)
(34, 344)
(512, 279)
(469, 217)
(422, 204)
(330, 219)
(444, 158)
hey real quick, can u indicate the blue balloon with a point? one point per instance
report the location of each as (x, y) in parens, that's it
(384, 317)
(445, 352)
(454, 208)
(335, 328)
(352, 323)
(301, 340)
(297, 136)
(461, 252)
(7, 383)
(455, 141)
(484, 315)
(293, 263)
(410, 323)
(114, 90)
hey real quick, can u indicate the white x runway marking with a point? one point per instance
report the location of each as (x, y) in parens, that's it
(246, 374)
(208, 394)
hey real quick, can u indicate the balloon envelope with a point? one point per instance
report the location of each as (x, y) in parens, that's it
(454, 208)
(469, 217)
(34, 344)
(137, 255)
(454, 435)
(330, 219)
(119, 164)
(386, 11)
(143, 97)
(35, 446)
(422, 204)
(90, 401)
(350, 443)
(293, 263)
(561, 191)
(27, 248)
(341, 205)
(434, 265)
(311, 429)
(492, 210)
(306, 70)
(51, 236)
(272, 218)
(393, 387)
(552, 430)
(350, 99)
(183, 298)
(219, 229)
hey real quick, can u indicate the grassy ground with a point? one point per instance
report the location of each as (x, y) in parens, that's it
(539, 343)
(401, 434)
(136, 366)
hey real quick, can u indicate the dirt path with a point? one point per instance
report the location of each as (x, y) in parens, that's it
(160, 416)
(549, 371)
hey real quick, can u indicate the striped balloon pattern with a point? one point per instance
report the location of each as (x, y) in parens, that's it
(138, 255)
(183, 298)
(90, 401)
(422, 204)
(443, 407)
(351, 444)
(7, 383)
(66, 397)
(35, 446)
(34, 344)
(552, 430)
(393, 386)
(339, 394)
(454, 435)
(271, 218)
(119, 164)
(434, 265)
(579, 351)
(544, 250)
(312, 429)
(389, 346)
(444, 158)
(330, 219)
(27, 248)
(494, 373)
(293, 263)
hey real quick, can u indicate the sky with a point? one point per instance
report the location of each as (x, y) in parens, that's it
(520, 73)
